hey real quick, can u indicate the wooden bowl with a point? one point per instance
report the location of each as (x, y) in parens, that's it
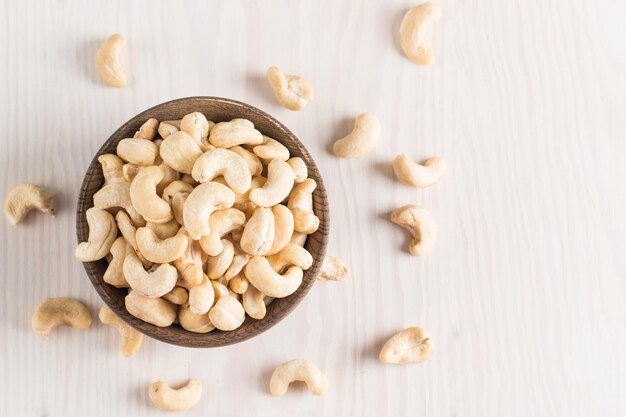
(218, 110)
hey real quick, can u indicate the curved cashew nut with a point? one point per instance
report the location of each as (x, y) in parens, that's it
(134, 215)
(411, 345)
(412, 31)
(202, 201)
(298, 370)
(333, 269)
(148, 130)
(155, 311)
(361, 140)
(220, 290)
(25, 197)
(221, 222)
(190, 263)
(239, 261)
(216, 162)
(217, 265)
(292, 254)
(299, 238)
(260, 274)
(129, 171)
(178, 204)
(116, 194)
(280, 180)
(178, 296)
(164, 230)
(144, 197)
(102, 234)
(168, 127)
(180, 151)
(418, 175)
(283, 228)
(271, 149)
(160, 251)
(201, 297)
(131, 338)
(112, 168)
(233, 133)
(169, 175)
(255, 166)
(301, 205)
(421, 224)
(180, 399)
(253, 302)
(299, 169)
(258, 235)
(239, 285)
(108, 63)
(197, 323)
(56, 311)
(149, 284)
(197, 126)
(175, 187)
(114, 274)
(189, 179)
(291, 91)
(227, 314)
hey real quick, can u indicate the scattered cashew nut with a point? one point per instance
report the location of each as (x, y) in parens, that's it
(412, 31)
(418, 175)
(25, 197)
(333, 269)
(180, 399)
(292, 92)
(421, 224)
(411, 345)
(108, 63)
(131, 338)
(298, 370)
(56, 311)
(361, 140)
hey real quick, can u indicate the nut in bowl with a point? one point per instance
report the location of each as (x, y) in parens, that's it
(184, 232)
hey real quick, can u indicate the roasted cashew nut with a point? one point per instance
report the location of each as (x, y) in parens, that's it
(140, 152)
(298, 370)
(102, 234)
(333, 269)
(221, 223)
(280, 180)
(202, 201)
(114, 274)
(233, 133)
(144, 197)
(258, 234)
(150, 284)
(253, 302)
(56, 311)
(227, 314)
(299, 169)
(25, 197)
(180, 399)
(260, 274)
(291, 91)
(271, 149)
(418, 175)
(301, 205)
(155, 311)
(217, 162)
(411, 345)
(180, 151)
(131, 338)
(361, 140)
(160, 251)
(201, 297)
(196, 323)
(108, 63)
(412, 31)
(421, 224)
(217, 265)
(292, 254)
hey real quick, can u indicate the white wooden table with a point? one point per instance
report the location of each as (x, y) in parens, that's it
(525, 291)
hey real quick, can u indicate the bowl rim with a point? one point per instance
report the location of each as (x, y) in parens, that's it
(204, 340)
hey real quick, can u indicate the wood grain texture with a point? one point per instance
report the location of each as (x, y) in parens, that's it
(524, 294)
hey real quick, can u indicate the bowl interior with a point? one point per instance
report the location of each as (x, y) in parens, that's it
(215, 109)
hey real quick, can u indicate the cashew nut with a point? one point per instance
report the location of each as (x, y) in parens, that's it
(227, 314)
(292, 254)
(301, 205)
(292, 91)
(112, 168)
(220, 290)
(362, 139)
(221, 223)
(164, 230)
(271, 149)
(126, 228)
(418, 175)
(197, 126)
(112, 195)
(157, 250)
(134, 215)
(299, 169)
(253, 302)
(201, 297)
(239, 285)
(190, 263)
(216, 162)
(298, 370)
(144, 197)
(25, 197)
(411, 345)
(333, 269)
(131, 338)
(56, 311)
(148, 130)
(129, 171)
(197, 323)
(233, 133)
(114, 274)
(260, 274)
(202, 201)
(174, 188)
(299, 238)
(155, 311)
(280, 180)
(180, 399)
(258, 234)
(421, 224)
(178, 205)
(239, 261)
(169, 175)
(283, 228)
(180, 151)
(217, 265)
(189, 179)
(412, 31)
(108, 63)
(166, 129)
(178, 296)
(102, 234)
(150, 284)
(255, 166)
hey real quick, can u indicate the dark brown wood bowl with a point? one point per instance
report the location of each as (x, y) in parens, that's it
(216, 109)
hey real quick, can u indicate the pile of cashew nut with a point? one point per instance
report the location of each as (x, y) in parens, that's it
(203, 222)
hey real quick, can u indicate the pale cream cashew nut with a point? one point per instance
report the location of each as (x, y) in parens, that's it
(112, 168)
(255, 166)
(25, 197)
(283, 228)
(221, 222)
(180, 151)
(190, 263)
(112, 195)
(197, 126)
(129, 171)
(298, 370)
(239, 285)
(418, 175)
(292, 254)
(333, 269)
(217, 162)
(108, 63)
(155, 311)
(258, 234)
(196, 323)
(233, 133)
(150, 284)
(201, 297)
(301, 205)
(160, 251)
(271, 149)
(253, 302)
(131, 338)
(202, 201)
(114, 274)
(412, 345)
(141, 152)
(413, 29)
(239, 261)
(178, 296)
(292, 91)
(361, 140)
(227, 314)
(180, 399)
(164, 230)
(218, 265)
(299, 169)
(420, 223)
(169, 175)
(53, 312)
(168, 127)
(144, 197)
(148, 130)
(260, 274)
(174, 188)
(280, 180)
(102, 234)
(299, 238)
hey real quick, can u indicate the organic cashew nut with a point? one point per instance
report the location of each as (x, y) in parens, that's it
(411, 345)
(144, 197)
(216, 266)
(412, 31)
(255, 166)
(260, 274)
(201, 297)
(253, 302)
(180, 399)
(227, 314)
(301, 205)
(258, 234)
(149, 284)
(108, 63)
(155, 311)
(418, 175)
(421, 224)
(333, 269)
(221, 223)
(217, 162)
(361, 140)
(271, 149)
(102, 234)
(298, 370)
(25, 197)
(280, 180)
(56, 311)
(292, 91)
(197, 323)
(180, 151)
(233, 133)
(202, 201)
(299, 169)
(157, 250)
(114, 274)
(131, 338)
(292, 254)
(140, 152)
